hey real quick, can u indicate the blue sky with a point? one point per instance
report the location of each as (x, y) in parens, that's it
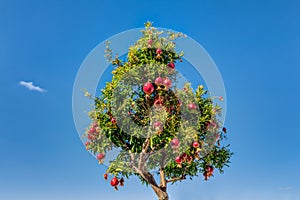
(255, 45)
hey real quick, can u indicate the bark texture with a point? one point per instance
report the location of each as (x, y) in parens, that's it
(161, 194)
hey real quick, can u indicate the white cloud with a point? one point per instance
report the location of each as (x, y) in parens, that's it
(30, 86)
(286, 188)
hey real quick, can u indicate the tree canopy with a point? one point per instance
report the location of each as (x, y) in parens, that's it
(164, 130)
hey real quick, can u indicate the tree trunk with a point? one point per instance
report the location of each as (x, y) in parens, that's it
(160, 192)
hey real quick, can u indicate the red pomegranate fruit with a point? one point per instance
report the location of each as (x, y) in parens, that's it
(100, 156)
(122, 182)
(114, 182)
(195, 144)
(158, 51)
(209, 169)
(113, 120)
(157, 124)
(178, 159)
(148, 88)
(175, 142)
(158, 81)
(158, 102)
(192, 106)
(92, 130)
(167, 83)
(184, 156)
(105, 176)
(171, 65)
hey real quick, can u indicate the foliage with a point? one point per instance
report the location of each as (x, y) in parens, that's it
(144, 126)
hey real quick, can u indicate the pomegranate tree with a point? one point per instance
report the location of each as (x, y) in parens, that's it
(164, 134)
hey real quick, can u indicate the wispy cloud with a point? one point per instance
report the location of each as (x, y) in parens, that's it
(30, 86)
(286, 188)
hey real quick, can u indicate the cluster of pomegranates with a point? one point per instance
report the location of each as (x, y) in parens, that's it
(175, 143)
(161, 83)
(100, 157)
(190, 158)
(184, 157)
(164, 83)
(209, 170)
(114, 182)
(93, 132)
(159, 52)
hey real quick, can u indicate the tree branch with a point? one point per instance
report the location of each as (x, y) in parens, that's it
(180, 178)
(132, 158)
(146, 176)
(142, 158)
(160, 191)
(146, 145)
(163, 181)
(176, 179)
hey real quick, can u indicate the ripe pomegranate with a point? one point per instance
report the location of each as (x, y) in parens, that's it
(184, 156)
(205, 174)
(105, 176)
(90, 137)
(158, 102)
(175, 142)
(195, 144)
(224, 130)
(150, 42)
(167, 83)
(178, 159)
(148, 88)
(158, 81)
(192, 106)
(208, 172)
(158, 51)
(100, 156)
(209, 169)
(122, 182)
(190, 159)
(113, 120)
(157, 124)
(171, 65)
(114, 182)
(87, 144)
(92, 130)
